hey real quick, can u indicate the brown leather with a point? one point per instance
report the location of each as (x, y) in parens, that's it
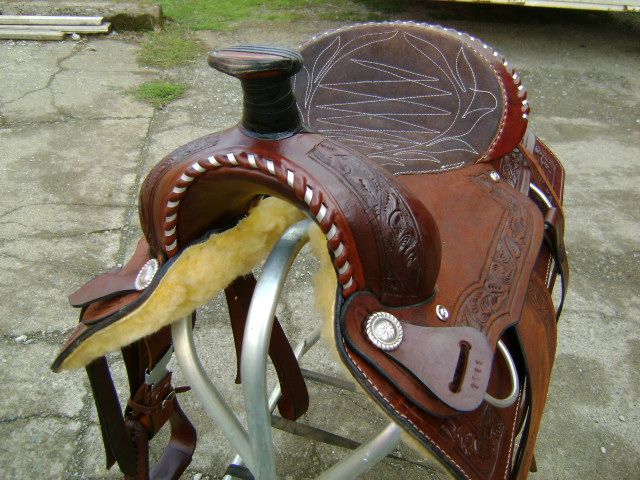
(537, 327)
(117, 282)
(369, 213)
(487, 266)
(126, 437)
(554, 238)
(433, 355)
(414, 98)
(346, 92)
(151, 406)
(417, 102)
(294, 400)
(117, 442)
(153, 178)
(471, 445)
(547, 173)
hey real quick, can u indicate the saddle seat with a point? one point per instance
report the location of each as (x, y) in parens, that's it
(415, 163)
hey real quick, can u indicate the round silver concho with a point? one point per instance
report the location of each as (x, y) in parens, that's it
(146, 274)
(442, 313)
(384, 331)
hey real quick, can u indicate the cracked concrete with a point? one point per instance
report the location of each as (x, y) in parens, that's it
(76, 147)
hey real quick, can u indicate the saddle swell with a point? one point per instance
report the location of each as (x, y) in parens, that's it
(442, 219)
(358, 206)
(229, 177)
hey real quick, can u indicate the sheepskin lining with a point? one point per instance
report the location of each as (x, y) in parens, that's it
(197, 275)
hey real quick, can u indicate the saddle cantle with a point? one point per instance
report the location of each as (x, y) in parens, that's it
(408, 147)
(414, 98)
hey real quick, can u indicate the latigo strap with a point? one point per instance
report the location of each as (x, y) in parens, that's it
(126, 437)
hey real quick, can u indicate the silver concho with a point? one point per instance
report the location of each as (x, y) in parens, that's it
(146, 274)
(442, 312)
(384, 331)
(495, 176)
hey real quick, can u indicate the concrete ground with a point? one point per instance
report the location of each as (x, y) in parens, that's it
(75, 146)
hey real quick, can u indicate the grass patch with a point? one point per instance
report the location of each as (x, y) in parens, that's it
(159, 93)
(225, 14)
(171, 47)
(176, 45)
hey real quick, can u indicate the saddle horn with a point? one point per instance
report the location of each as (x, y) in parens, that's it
(269, 107)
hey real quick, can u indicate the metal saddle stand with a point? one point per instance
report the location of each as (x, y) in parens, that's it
(255, 445)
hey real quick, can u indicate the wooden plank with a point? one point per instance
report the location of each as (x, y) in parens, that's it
(48, 20)
(31, 35)
(86, 29)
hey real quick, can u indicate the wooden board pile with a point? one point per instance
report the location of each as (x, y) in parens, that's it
(38, 27)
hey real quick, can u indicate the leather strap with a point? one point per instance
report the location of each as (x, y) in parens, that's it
(537, 335)
(126, 437)
(533, 163)
(118, 444)
(554, 238)
(150, 406)
(177, 455)
(554, 228)
(294, 401)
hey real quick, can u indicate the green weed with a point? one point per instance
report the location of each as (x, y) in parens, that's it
(225, 14)
(171, 47)
(176, 45)
(159, 93)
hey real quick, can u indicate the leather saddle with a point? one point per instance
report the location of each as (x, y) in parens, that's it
(408, 145)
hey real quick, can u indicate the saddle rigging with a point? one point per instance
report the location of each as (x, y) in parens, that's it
(408, 146)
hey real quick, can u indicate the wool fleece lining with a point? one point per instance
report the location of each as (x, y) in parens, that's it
(202, 271)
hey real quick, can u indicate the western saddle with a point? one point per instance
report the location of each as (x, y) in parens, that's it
(408, 146)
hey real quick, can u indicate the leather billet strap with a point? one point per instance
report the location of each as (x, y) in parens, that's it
(537, 335)
(553, 235)
(118, 444)
(554, 216)
(126, 441)
(126, 438)
(294, 400)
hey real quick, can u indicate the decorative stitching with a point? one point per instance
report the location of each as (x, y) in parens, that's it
(197, 169)
(381, 395)
(482, 302)
(513, 432)
(471, 42)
